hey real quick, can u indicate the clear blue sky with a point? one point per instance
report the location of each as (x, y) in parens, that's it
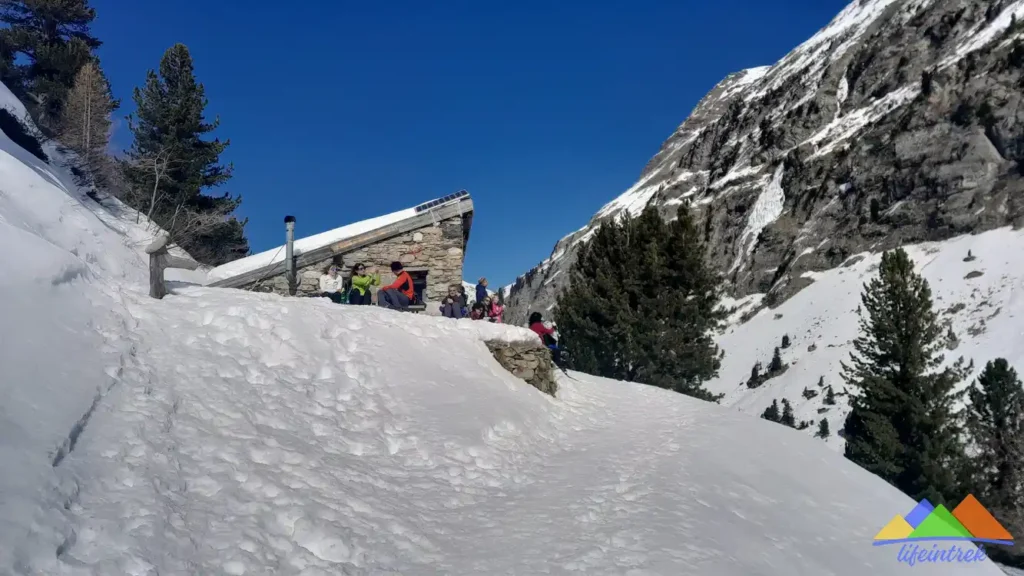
(339, 111)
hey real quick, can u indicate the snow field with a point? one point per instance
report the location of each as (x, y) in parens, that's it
(984, 311)
(251, 434)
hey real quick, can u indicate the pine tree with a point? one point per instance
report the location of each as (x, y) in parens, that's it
(501, 296)
(785, 340)
(821, 383)
(642, 305)
(830, 397)
(54, 41)
(787, 419)
(771, 413)
(823, 431)
(776, 364)
(85, 119)
(902, 426)
(995, 427)
(593, 314)
(171, 164)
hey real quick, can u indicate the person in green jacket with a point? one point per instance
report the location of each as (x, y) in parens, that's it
(361, 282)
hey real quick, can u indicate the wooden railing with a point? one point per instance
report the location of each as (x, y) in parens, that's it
(159, 260)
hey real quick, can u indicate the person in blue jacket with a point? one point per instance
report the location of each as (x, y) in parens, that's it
(481, 290)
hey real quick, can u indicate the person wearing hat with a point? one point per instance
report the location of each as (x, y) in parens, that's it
(481, 290)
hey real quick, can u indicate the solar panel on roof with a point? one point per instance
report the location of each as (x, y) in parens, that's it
(442, 200)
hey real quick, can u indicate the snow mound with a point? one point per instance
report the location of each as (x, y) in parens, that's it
(254, 434)
(979, 298)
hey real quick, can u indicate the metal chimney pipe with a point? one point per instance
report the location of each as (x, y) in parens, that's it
(289, 258)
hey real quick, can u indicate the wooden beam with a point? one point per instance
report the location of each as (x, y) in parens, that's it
(159, 260)
(421, 220)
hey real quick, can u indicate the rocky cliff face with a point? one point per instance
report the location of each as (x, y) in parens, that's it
(901, 121)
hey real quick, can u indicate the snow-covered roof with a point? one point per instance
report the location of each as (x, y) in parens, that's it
(275, 256)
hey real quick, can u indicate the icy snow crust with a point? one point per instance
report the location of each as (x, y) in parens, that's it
(824, 315)
(229, 432)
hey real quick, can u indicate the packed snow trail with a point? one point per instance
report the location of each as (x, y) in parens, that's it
(251, 434)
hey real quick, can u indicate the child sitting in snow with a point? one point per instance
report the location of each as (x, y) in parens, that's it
(479, 312)
(494, 310)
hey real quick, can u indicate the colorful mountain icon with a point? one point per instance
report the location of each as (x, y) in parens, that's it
(976, 519)
(940, 524)
(919, 513)
(896, 529)
(968, 521)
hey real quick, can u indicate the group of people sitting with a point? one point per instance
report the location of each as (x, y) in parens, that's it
(486, 307)
(400, 294)
(397, 295)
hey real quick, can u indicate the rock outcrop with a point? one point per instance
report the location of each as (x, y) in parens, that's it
(529, 362)
(899, 122)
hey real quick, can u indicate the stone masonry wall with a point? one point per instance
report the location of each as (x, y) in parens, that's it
(436, 249)
(530, 362)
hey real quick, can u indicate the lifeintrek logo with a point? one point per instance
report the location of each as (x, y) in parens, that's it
(953, 536)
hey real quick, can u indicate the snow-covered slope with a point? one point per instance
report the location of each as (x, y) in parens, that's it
(896, 123)
(66, 261)
(981, 299)
(230, 432)
(250, 434)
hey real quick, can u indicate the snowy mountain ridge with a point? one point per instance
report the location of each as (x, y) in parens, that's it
(835, 149)
(219, 431)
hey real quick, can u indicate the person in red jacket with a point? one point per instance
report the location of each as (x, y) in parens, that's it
(546, 336)
(399, 294)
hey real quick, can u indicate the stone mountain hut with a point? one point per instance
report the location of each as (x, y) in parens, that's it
(429, 239)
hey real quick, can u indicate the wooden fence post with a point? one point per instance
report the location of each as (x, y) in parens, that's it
(159, 260)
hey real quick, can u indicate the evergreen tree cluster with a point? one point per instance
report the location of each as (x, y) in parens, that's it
(642, 305)
(171, 162)
(42, 47)
(775, 368)
(48, 59)
(905, 425)
(784, 416)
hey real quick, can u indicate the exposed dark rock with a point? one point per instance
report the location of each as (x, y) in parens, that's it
(785, 178)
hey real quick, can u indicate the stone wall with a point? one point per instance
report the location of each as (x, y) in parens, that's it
(530, 362)
(438, 250)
